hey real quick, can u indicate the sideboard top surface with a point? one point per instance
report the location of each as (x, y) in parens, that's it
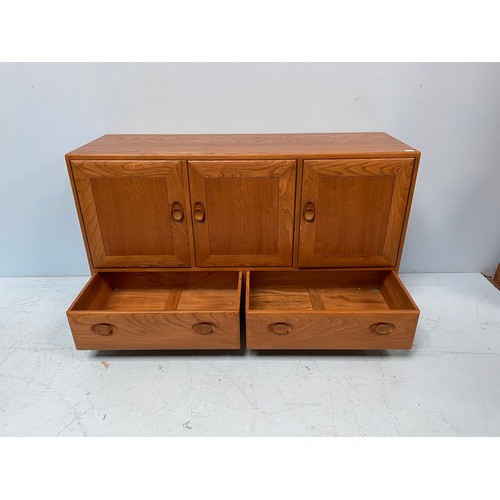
(369, 144)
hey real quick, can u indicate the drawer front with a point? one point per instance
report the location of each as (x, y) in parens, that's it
(161, 330)
(289, 330)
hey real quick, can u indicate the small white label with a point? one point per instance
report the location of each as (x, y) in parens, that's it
(409, 150)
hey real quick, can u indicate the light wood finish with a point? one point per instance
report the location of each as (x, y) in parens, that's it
(158, 311)
(315, 298)
(317, 220)
(232, 268)
(496, 278)
(243, 212)
(382, 328)
(79, 213)
(167, 330)
(161, 291)
(353, 211)
(328, 310)
(331, 330)
(103, 328)
(416, 162)
(395, 293)
(298, 196)
(343, 145)
(134, 212)
(224, 147)
(280, 328)
(325, 290)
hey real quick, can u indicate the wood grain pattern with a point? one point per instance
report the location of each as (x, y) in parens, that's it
(195, 269)
(126, 209)
(395, 293)
(343, 277)
(329, 290)
(160, 330)
(329, 310)
(158, 310)
(314, 298)
(269, 203)
(298, 208)
(496, 278)
(79, 213)
(188, 215)
(359, 212)
(161, 291)
(327, 330)
(407, 211)
(246, 212)
(181, 146)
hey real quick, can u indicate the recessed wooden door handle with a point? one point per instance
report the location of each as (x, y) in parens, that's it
(199, 212)
(382, 328)
(103, 328)
(177, 212)
(309, 212)
(280, 328)
(204, 328)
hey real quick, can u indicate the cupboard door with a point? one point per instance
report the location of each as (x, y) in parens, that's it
(243, 212)
(135, 212)
(353, 211)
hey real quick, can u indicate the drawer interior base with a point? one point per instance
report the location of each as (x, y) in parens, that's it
(327, 291)
(162, 291)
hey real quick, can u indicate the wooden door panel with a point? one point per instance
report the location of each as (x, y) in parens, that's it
(243, 212)
(226, 199)
(353, 211)
(135, 212)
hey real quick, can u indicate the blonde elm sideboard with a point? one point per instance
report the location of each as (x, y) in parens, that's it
(300, 235)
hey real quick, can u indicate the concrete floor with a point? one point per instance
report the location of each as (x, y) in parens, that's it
(448, 385)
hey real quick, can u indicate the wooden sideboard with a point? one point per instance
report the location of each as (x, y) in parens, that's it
(296, 236)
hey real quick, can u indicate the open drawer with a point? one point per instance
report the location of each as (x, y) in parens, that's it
(338, 309)
(158, 310)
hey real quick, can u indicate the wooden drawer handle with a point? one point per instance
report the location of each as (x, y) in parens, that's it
(309, 212)
(177, 212)
(280, 328)
(204, 328)
(103, 328)
(382, 328)
(199, 212)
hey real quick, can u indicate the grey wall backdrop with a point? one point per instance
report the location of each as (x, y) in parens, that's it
(451, 112)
